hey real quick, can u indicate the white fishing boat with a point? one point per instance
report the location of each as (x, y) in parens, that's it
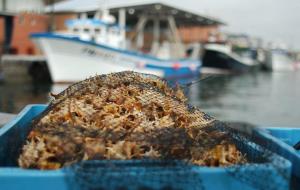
(99, 46)
(281, 61)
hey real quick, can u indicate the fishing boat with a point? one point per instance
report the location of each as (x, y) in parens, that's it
(220, 57)
(279, 60)
(99, 46)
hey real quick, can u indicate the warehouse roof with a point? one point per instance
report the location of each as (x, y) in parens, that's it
(135, 8)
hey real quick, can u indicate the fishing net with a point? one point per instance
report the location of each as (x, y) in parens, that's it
(135, 132)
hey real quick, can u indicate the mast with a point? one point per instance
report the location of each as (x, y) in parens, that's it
(178, 43)
(139, 34)
(156, 36)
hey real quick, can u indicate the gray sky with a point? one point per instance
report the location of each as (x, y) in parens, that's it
(273, 20)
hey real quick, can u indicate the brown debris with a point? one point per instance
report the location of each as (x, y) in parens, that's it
(123, 116)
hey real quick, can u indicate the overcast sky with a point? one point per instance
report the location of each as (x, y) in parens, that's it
(276, 20)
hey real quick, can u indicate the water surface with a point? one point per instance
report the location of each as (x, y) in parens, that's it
(270, 99)
(260, 98)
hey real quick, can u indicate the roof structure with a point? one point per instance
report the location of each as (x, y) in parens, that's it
(136, 8)
(7, 14)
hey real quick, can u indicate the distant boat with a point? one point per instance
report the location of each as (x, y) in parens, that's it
(98, 46)
(279, 60)
(220, 58)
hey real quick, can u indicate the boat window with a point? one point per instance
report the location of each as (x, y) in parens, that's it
(90, 15)
(75, 29)
(86, 30)
(114, 31)
(97, 30)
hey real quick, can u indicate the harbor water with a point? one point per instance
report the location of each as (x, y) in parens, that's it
(269, 99)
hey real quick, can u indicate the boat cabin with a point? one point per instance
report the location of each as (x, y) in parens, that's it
(100, 30)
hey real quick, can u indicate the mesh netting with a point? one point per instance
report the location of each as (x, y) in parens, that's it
(160, 139)
(264, 169)
(138, 174)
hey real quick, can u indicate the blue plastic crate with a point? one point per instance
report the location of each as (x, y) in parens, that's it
(131, 174)
(289, 135)
(283, 141)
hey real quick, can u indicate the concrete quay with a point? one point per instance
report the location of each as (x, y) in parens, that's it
(5, 118)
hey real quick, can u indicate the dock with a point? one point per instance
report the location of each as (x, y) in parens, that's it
(23, 66)
(5, 118)
(23, 58)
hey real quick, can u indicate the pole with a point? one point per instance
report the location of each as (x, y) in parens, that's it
(52, 21)
(140, 32)
(122, 24)
(4, 5)
(156, 36)
(174, 31)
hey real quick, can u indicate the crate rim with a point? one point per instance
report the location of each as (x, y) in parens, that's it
(16, 171)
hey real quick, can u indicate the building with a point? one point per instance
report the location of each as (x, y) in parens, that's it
(192, 27)
(30, 16)
(21, 6)
(26, 17)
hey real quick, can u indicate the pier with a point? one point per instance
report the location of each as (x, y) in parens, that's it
(5, 118)
(27, 68)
